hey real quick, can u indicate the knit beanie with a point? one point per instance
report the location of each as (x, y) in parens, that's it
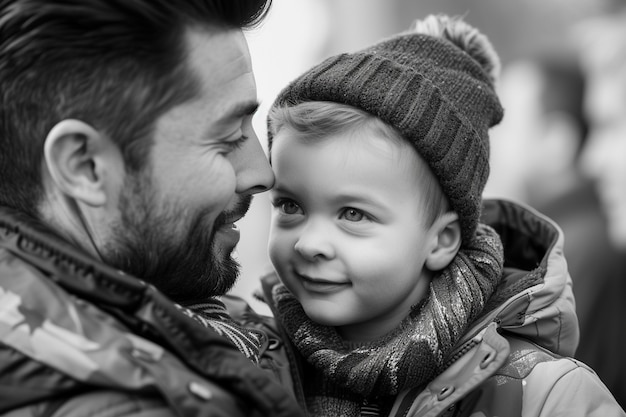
(439, 96)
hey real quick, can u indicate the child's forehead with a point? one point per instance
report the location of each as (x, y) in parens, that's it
(344, 166)
(359, 148)
(350, 141)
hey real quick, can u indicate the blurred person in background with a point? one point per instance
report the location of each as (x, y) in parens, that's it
(557, 127)
(549, 128)
(603, 57)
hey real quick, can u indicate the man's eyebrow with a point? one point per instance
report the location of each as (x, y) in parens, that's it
(240, 110)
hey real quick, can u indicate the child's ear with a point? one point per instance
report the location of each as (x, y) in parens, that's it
(448, 241)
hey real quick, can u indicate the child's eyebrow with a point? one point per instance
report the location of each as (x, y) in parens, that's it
(281, 188)
(358, 197)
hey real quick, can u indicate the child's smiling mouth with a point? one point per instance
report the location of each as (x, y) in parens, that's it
(322, 285)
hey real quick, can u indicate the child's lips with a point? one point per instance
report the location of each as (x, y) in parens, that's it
(322, 285)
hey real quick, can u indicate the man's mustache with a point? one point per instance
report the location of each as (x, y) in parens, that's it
(240, 210)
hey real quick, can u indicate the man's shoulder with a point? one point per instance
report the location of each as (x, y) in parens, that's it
(102, 328)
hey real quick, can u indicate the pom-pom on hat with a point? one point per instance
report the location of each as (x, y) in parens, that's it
(436, 91)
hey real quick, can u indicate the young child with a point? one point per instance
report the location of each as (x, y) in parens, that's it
(401, 292)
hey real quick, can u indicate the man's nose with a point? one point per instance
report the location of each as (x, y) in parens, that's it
(254, 173)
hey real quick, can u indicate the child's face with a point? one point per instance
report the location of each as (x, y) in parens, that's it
(347, 237)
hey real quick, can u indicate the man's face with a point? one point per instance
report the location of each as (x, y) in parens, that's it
(176, 216)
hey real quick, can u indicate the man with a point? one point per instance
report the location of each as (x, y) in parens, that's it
(127, 155)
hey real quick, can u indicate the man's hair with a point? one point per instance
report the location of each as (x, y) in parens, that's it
(114, 64)
(318, 120)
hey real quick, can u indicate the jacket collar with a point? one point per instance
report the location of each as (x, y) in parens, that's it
(141, 308)
(535, 300)
(485, 354)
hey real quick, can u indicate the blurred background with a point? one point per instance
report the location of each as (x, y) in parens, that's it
(549, 49)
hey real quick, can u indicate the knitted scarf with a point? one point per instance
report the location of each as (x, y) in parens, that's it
(411, 355)
(212, 313)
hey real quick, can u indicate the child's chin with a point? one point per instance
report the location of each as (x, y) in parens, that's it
(325, 316)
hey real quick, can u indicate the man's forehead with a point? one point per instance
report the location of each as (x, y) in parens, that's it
(217, 46)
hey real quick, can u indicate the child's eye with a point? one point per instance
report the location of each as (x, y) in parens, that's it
(287, 206)
(353, 215)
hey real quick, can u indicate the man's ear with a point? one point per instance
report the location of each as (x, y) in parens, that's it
(447, 241)
(77, 157)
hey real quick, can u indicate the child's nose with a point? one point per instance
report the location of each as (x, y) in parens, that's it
(315, 242)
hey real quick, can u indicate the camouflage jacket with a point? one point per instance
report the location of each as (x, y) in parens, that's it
(79, 338)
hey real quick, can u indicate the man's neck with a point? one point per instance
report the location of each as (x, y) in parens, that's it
(65, 218)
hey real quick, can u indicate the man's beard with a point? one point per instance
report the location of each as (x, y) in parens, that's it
(169, 247)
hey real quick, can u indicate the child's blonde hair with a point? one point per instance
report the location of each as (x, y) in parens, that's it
(318, 120)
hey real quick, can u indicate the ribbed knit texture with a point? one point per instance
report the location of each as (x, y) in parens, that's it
(435, 94)
(345, 377)
(212, 313)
